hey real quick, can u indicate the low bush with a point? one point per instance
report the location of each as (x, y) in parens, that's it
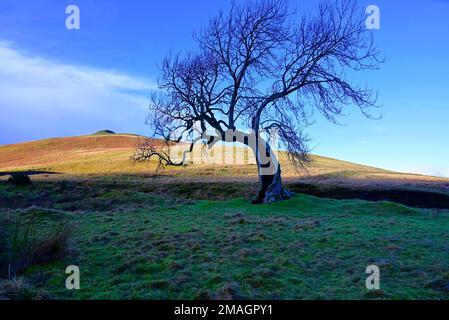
(19, 179)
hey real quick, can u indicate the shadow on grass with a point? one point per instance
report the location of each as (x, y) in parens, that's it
(411, 198)
(110, 190)
(28, 172)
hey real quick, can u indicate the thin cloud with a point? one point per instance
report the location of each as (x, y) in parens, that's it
(41, 98)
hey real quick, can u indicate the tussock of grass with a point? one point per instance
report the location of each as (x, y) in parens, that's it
(20, 289)
(24, 245)
(30, 237)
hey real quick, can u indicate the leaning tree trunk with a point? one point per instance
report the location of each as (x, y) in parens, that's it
(271, 188)
(269, 169)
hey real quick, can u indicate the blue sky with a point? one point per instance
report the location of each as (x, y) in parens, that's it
(56, 82)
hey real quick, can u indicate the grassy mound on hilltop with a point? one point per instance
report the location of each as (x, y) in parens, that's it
(103, 132)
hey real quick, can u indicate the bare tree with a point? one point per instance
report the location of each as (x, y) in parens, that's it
(263, 67)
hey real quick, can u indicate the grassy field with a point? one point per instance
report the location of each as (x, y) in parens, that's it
(191, 233)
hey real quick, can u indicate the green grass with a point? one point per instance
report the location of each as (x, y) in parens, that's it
(132, 241)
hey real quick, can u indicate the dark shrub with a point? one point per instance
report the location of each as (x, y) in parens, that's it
(20, 179)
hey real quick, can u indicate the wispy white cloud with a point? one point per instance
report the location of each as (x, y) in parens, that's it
(41, 98)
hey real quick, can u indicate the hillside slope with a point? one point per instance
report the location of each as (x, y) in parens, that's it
(109, 154)
(61, 150)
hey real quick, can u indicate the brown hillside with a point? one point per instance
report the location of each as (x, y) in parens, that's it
(109, 155)
(44, 152)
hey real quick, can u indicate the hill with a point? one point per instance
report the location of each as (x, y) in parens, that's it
(109, 154)
(224, 168)
(51, 153)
